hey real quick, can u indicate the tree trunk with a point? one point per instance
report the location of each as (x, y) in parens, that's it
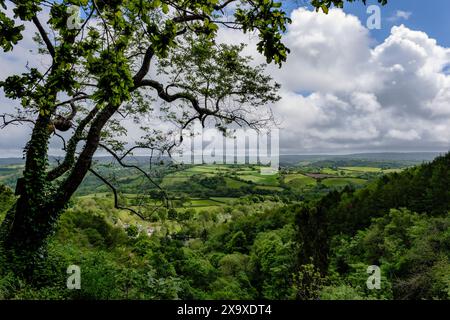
(24, 233)
(30, 222)
(27, 224)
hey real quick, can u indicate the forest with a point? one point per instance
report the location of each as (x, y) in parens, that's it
(264, 246)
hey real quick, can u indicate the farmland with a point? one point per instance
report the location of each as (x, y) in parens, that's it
(208, 186)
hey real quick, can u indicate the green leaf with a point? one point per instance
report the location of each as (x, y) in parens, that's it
(165, 8)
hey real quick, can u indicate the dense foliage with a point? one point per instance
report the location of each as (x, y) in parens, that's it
(120, 262)
(254, 250)
(399, 222)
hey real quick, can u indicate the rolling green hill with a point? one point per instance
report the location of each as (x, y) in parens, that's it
(399, 222)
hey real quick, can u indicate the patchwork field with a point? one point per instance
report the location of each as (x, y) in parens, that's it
(362, 169)
(299, 181)
(342, 182)
(204, 187)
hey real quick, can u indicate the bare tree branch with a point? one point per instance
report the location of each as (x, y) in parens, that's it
(145, 66)
(120, 161)
(172, 97)
(222, 6)
(62, 139)
(71, 148)
(116, 197)
(15, 120)
(44, 36)
(75, 99)
(203, 113)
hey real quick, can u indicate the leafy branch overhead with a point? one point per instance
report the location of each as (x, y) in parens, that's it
(325, 5)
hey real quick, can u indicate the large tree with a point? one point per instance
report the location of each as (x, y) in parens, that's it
(100, 68)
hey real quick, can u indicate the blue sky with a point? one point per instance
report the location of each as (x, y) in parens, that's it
(431, 16)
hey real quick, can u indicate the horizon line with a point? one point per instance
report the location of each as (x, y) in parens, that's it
(281, 154)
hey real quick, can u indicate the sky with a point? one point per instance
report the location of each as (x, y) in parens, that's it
(345, 88)
(431, 17)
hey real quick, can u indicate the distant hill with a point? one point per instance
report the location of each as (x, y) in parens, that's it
(422, 189)
(285, 160)
(11, 161)
(411, 158)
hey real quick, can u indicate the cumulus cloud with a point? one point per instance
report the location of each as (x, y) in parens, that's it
(328, 52)
(400, 15)
(343, 94)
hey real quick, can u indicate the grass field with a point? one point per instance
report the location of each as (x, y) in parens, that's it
(207, 169)
(235, 177)
(225, 200)
(355, 172)
(342, 182)
(234, 184)
(362, 169)
(330, 171)
(386, 171)
(202, 203)
(176, 178)
(299, 181)
(270, 188)
(261, 179)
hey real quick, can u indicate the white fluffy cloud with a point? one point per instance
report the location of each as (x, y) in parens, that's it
(400, 15)
(343, 94)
